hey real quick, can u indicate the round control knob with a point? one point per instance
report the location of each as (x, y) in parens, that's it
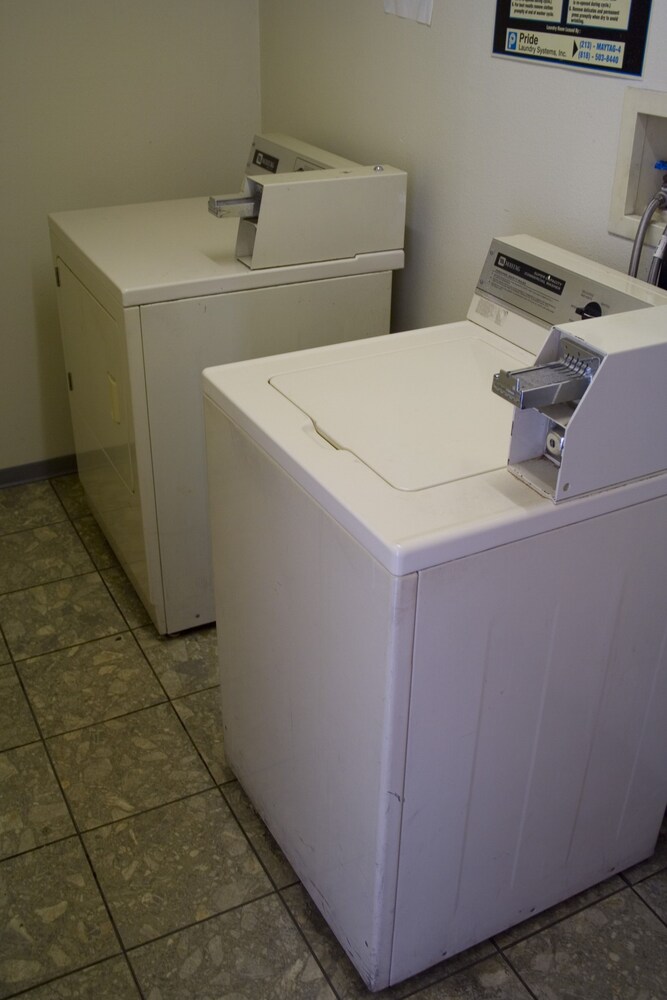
(590, 311)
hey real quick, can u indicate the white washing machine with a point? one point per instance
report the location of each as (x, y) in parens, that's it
(151, 294)
(443, 687)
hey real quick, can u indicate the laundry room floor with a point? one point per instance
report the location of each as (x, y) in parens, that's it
(132, 864)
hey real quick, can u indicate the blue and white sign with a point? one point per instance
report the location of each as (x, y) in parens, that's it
(607, 35)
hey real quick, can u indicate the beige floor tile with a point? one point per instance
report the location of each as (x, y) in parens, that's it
(273, 859)
(184, 663)
(17, 725)
(29, 506)
(89, 683)
(109, 980)
(614, 950)
(56, 615)
(118, 768)
(200, 714)
(32, 808)
(54, 920)
(252, 953)
(173, 866)
(41, 555)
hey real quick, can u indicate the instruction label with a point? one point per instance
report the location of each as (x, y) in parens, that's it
(527, 272)
(607, 35)
(524, 285)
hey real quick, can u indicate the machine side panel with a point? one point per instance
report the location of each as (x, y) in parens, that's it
(107, 406)
(536, 741)
(314, 717)
(182, 338)
(97, 374)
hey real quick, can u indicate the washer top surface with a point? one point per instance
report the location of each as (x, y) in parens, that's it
(418, 417)
(164, 250)
(413, 469)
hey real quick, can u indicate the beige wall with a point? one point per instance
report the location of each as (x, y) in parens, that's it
(103, 102)
(493, 146)
(110, 101)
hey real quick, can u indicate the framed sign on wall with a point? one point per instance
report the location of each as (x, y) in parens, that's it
(603, 35)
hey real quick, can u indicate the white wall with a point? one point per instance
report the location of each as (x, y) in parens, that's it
(110, 101)
(103, 102)
(493, 146)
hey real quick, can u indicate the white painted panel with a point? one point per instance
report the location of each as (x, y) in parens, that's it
(539, 686)
(180, 339)
(315, 641)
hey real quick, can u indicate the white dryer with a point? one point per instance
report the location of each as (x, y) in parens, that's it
(443, 690)
(151, 294)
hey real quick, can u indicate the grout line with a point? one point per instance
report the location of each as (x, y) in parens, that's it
(557, 920)
(246, 835)
(77, 831)
(198, 923)
(50, 583)
(149, 809)
(111, 718)
(518, 975)
(499, 951)
(72, 972)
(302, 934)
(633, 888)
(76, 834)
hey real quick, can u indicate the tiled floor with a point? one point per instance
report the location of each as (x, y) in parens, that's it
(132, 865)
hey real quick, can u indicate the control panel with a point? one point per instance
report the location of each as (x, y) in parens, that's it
(547, 290)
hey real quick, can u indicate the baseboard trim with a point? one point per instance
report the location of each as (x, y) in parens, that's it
(35, 471)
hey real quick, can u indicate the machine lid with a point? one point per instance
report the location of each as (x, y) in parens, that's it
(387, 414)
(418, 418)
